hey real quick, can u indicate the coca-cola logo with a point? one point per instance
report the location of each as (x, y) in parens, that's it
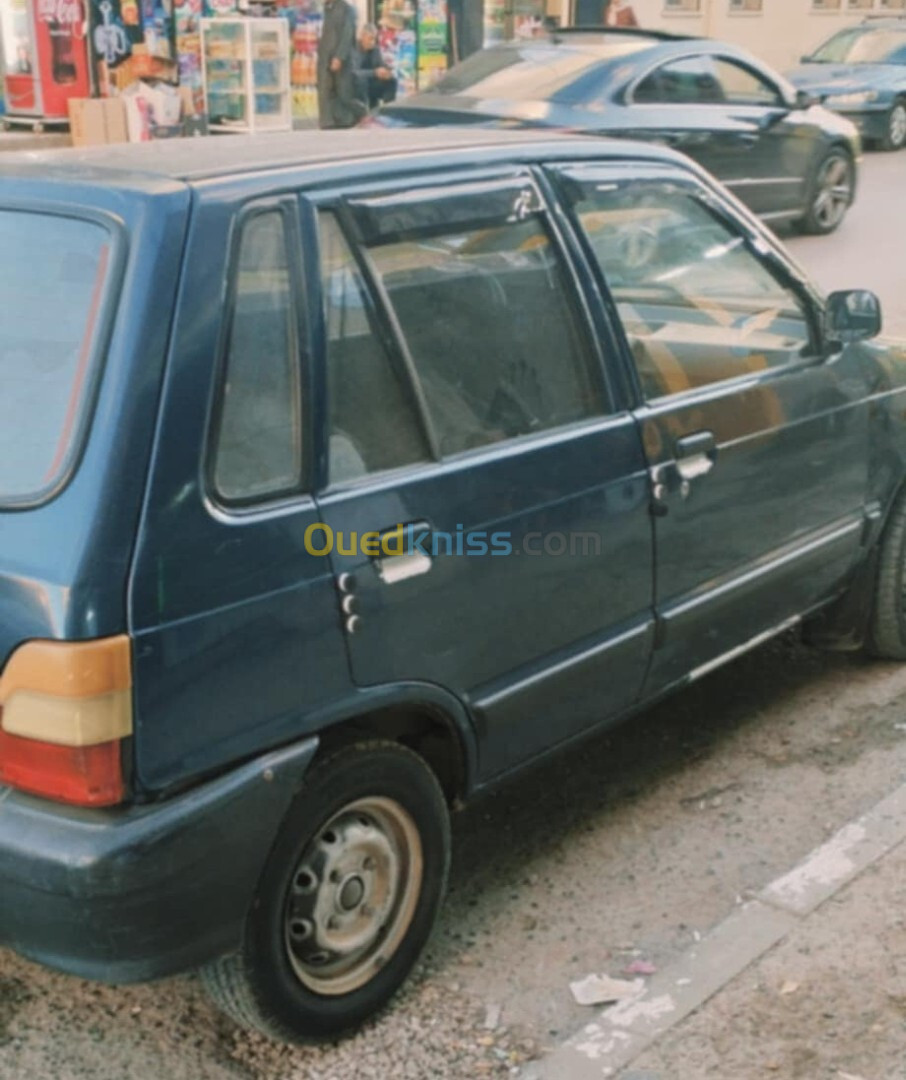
(60, 11)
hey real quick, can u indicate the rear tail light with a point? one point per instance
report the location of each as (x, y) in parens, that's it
(64, 709)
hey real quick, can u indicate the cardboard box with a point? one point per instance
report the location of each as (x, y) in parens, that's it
(97, 121)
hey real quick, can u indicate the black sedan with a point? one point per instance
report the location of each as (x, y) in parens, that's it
(773, 146)
(861, 73)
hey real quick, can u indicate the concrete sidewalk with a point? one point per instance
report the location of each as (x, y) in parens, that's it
(805, 982)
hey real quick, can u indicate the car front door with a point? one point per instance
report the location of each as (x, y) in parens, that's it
(756, 433)
(732, 121)
(778, 149)
(485, 503)
(680, 103)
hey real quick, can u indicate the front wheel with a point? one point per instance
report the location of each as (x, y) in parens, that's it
(347, 899)
(895, 135)
(831, 193)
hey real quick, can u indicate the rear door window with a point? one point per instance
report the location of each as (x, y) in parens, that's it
(485, 311)
(53, 276)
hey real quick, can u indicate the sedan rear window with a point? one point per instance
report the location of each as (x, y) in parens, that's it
(532, 73)
(52, 275)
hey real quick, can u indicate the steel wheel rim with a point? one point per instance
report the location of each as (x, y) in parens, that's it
(897, 131)
(353, 895)
(834, 192)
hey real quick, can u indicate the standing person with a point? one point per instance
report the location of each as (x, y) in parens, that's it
(375, 82)
(620, 13)
(336, 84)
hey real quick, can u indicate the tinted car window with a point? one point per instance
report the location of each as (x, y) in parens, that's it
(259, 435)
(373, 423)
(530, 72)
(697, 305)
(741, 85)
(488, 321)
(53, 272)
(879, 46)
(692, 81)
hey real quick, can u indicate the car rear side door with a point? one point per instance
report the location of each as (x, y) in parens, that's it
(484, 499)
(756, 434)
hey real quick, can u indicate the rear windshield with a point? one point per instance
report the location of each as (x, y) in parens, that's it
(52, 275)
(531, 73)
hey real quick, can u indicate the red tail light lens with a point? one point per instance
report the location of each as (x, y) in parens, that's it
(65, 708)
(84, 775)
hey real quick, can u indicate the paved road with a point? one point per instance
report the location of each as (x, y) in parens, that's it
(869, 249)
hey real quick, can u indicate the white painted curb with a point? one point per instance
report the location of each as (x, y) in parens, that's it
(622, 1032)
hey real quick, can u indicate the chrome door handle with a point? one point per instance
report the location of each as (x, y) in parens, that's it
(691, 468)
(394, 568)
(696, 455)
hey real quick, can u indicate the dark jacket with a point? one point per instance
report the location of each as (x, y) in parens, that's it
(369, 88)
(336, 89)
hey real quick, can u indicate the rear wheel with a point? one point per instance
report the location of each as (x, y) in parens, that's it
(831, 193)
(895, 135)
(887, 631)
(347, 900)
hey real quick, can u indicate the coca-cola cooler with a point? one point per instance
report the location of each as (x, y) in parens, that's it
(45, 59)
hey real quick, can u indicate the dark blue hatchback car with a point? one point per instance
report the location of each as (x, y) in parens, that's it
(343, 474)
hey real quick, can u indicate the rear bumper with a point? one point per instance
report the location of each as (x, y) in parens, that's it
(149, 891)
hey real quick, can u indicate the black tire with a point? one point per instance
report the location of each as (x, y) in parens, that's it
(895, 134)
(830, 192)
(887, 630)
(336, 817)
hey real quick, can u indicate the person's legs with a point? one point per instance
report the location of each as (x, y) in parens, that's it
(345, 111)
(325, 103)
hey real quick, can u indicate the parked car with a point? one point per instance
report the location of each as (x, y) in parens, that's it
(333, 480)
(787, 158)
(861, 74)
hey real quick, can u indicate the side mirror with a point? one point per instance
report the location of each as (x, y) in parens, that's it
(853, 315)
(805, 99)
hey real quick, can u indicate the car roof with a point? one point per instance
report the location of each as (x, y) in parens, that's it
(602, 35)
(886, 22)
(195, 160)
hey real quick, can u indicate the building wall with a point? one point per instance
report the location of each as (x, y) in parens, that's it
(780, 32)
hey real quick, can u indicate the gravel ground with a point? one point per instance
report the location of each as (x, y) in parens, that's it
(58, 1027)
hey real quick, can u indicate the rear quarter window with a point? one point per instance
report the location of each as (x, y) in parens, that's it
(53, 277)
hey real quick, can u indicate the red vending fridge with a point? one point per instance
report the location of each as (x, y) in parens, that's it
(45, 59)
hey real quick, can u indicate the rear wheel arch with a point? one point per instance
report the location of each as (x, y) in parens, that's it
(424, 727)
